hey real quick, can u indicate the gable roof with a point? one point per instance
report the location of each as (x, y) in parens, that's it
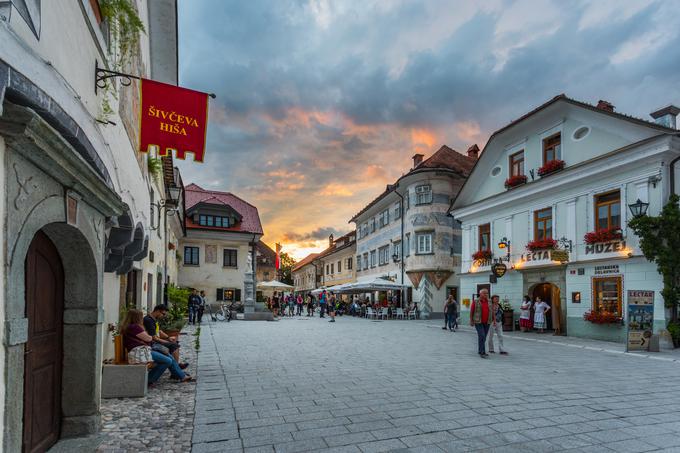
(444, 158)
(305, 261)
(336, 248)
(250, 218)
(562, 98)
(266, 256)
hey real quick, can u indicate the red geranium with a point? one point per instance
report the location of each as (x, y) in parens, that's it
(482, 255)
(550, 167)
(603, 235)
(514, 181)
(602, 317)
(542, 244)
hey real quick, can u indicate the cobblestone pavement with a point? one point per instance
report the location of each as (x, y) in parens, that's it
(160, 422)
(365, 386)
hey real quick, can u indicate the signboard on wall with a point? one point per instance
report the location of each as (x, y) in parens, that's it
(607, 269)
(640, 319)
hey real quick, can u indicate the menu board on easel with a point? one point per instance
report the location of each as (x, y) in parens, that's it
(640, 320)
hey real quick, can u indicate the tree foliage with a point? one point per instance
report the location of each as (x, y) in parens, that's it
(286, 270)
(660, 243)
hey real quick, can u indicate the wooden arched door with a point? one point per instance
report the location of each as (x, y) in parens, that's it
(43, 350)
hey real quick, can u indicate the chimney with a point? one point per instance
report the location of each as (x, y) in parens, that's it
(666, 116)
(417, 159)
(604, 105)
(330, 241)
(473, 151)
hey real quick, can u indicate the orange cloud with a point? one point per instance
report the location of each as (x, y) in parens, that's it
(336, 190)
(422, 139)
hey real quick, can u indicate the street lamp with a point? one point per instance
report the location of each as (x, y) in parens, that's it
(639, 208)
(174, 192)
(168, 207)
(505, 244)
(395, 257)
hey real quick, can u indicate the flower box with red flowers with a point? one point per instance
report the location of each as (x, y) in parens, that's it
(603, 235)
(542, 244)
(514, 181)
(551, 167)
(482, 255)
(602, 317)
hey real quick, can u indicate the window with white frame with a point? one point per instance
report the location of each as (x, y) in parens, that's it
(374, 258)
(423, 243)
(365, 261)
(384, 218)
(424, 194)
(349, 264)
(364, 230)
(371, 225)
(358, 262)
(384, 255)
(339, 267)
(397, 249)
(407, 246)
(397, 211)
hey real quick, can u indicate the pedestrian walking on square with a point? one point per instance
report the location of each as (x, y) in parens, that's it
(481, 318)
(525, 323)
(275, 305)
(331, 307)
(201, 307)
(323, 301)
(496, 326)
(310, 305)
(291, 305)
(450, 313)
(192, 306)
(540, 310)
(300, 302)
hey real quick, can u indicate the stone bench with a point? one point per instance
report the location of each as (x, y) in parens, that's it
(124, 381)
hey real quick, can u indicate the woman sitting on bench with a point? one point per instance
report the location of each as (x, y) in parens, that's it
(138, 344)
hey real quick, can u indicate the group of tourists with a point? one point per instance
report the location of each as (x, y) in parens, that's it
(147, 344)
(196, 306)
(540, 309)
(487, 319)
(282, 304)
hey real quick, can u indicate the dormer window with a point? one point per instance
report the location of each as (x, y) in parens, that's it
(214, 221)
(552, 148)
(517, 164)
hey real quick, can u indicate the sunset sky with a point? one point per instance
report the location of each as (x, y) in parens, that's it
(320, 104)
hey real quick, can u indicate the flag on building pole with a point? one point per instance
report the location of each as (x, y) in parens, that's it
(278, 256)
(172, 118)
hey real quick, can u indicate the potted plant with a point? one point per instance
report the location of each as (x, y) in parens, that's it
(674, 331)
(603, 235)
(541, 244)
(514, 181)
(602, 317)
(508, 315)
(551, 167)
(482, 255)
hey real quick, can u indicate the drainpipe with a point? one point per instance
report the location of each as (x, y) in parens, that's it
(401, 244)
(672, 175)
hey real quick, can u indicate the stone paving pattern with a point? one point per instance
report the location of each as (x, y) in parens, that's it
(160, 422)
(364, 386)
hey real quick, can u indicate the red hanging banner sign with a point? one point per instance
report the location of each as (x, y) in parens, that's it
(172, 118)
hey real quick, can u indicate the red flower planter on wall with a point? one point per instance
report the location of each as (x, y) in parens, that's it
(551, 167)
(604, 235)
(514, 181)
(542, 244)
(482, 255)
(602, 317)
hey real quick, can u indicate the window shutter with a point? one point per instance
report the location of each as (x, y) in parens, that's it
(220, 294)
(237, 295)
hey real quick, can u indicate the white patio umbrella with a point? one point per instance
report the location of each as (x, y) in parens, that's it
(275, 285)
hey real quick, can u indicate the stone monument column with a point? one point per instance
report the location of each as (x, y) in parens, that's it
(249, 304)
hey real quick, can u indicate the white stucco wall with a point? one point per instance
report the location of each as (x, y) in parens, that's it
(2, 285)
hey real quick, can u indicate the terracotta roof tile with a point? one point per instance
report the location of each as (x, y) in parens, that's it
(250, 222)
(305, 261)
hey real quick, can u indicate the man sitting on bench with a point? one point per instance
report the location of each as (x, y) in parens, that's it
(159, 337)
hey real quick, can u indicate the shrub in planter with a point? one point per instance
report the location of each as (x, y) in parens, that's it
(674, 331)
(604, 235)
(514, 181)
(602, 317)
(550, 167)
(541, 244)
(482, 255)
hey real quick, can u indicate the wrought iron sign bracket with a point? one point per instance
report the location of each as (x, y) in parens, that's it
(101, 76)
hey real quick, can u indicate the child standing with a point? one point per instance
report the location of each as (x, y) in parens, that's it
(540, 309)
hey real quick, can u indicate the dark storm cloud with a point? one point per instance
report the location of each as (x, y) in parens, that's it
(318, 234)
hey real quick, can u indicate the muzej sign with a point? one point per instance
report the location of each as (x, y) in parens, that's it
(172, 119)
(640, 320)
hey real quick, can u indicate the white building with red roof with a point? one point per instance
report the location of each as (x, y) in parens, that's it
(221, 231)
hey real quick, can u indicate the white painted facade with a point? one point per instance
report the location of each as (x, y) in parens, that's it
(615, 155)
(60, 63)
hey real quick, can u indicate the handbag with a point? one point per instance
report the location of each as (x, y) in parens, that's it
(160, 348)
(140, 355)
